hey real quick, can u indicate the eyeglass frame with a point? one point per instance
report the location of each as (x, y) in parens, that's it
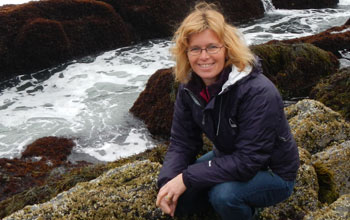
(206, 50)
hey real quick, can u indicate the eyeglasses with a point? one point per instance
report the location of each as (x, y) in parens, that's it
(212, 49)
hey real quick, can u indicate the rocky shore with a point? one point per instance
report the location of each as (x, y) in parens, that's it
(128, 189)
(43, 184)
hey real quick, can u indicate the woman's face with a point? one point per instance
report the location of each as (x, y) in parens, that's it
(206, 65)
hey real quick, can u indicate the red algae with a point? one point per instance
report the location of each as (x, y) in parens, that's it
(35, 165)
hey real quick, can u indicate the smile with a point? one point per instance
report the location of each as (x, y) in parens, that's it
(205, 65)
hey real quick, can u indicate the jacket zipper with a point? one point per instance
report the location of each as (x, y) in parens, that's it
(196, 101)
(219, 122)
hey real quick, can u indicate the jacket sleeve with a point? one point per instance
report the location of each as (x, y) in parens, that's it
(257, 118)
(185, 142)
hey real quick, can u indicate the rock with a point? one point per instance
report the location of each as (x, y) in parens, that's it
(150, 18)
(339, 210)
(40, 34)
(55, 149)
(155, 104)
(295, 68)
(302, 4)
(334, 92)
(127, 192)
(304, 197)
(316, 126)
(38, 160)
(159, 18)
(347, 22)
(333, 168)
(334, 39)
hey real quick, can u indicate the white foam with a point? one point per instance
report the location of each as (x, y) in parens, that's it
(89, 101)
(344, 2)
(134, 143)
(15, 2)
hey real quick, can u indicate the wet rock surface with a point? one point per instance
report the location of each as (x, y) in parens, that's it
(334, 39)
(39, 159)
(334, 92)
(41, 34)
(155, 104)
(295, 68)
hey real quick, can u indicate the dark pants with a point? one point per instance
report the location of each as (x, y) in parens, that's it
(236, 200)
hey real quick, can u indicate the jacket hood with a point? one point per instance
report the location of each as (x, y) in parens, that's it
(234, 76)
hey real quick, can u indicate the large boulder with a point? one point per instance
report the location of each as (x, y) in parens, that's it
(316, 126)
(322, 176)
(40, 34)
(295, 68)
(304, 4)
(155, 104)
(334, 39)
(334, 92)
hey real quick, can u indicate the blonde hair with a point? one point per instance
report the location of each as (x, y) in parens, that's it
(206, 16)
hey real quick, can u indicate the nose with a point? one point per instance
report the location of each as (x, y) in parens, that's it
(204, 54)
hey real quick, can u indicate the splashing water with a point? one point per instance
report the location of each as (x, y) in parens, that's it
(268, 6)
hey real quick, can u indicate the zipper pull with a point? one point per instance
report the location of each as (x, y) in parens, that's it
(203, 119)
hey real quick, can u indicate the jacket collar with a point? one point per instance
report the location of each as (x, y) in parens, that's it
(196, 84)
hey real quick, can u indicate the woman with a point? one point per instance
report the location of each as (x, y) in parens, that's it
(224, 94)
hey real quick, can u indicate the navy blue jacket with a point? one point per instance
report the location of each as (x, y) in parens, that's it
(245, 120)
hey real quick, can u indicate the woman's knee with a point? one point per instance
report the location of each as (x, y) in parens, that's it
(224, 195)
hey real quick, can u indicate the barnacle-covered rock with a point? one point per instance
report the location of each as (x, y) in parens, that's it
(315, 126)
(333, 169)
(126, 192)
(339, 210)
(304, 197)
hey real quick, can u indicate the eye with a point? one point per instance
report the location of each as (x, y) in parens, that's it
(212, 47)
(195, 49)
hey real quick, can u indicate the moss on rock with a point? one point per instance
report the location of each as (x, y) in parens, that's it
(334, 92)
(295, 68)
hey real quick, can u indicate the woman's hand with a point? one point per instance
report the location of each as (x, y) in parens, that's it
(169, 194)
